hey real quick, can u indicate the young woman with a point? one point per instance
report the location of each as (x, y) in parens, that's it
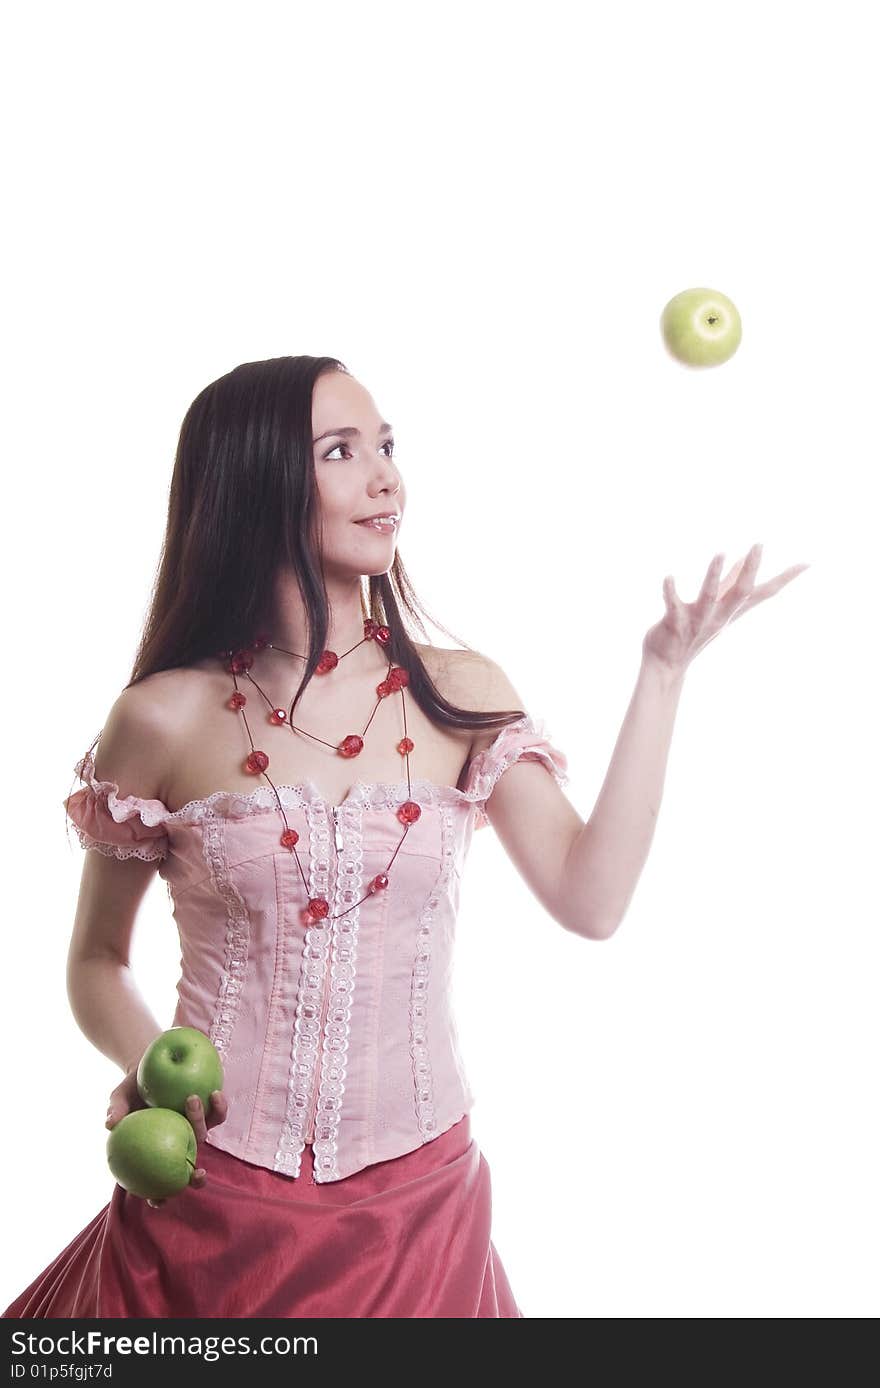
(307, 778)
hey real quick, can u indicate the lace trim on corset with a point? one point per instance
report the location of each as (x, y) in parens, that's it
(121, 807)
(103, 799)
(484, 771)
(238, 924)
(148, 851)
(527, 738)
(374, 795)
(419, 989)
(307, 1024)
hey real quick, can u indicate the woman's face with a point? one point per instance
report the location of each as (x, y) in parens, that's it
(356, 476)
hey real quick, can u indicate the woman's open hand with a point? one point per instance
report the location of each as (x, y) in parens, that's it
(125, 1098)
(687, 627)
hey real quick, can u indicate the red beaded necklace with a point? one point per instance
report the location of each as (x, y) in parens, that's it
(239, 663)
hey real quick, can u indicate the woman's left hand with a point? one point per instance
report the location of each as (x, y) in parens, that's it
(688, 627)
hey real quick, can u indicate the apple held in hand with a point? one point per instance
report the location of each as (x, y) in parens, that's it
(178, 1063)
(701, 327)
(152, 1152)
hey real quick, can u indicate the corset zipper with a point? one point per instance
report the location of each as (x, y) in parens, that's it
(310, 1131)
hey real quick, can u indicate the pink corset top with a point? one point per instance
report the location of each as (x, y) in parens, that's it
(341, 1033)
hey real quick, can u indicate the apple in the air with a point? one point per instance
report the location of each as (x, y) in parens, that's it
(178, 1063)
(152, 1152)
(701, 327)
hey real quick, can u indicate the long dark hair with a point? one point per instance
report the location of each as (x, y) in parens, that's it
(244, 500)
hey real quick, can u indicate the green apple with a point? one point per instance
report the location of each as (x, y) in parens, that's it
(701, 327)
(152, 1152)
(178, 1063)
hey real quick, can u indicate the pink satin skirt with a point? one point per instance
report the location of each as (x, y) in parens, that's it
(402, 1238)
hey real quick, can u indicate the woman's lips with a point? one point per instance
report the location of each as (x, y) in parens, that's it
(384, 526)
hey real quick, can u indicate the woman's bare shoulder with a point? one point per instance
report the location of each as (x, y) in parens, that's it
(475, 681)
(141, 732)
(161, 700)
(460, 675)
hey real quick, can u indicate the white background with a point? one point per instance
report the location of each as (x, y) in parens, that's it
(482, 210)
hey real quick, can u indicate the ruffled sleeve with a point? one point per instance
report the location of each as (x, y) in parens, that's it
(528, 739)
(117, 826)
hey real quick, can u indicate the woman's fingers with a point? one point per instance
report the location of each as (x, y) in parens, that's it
(196, 1115)
(766, 590)
(218, 1110)
(201, 1122)
(198, 1178)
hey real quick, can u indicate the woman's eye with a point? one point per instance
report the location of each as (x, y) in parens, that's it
(389, 443)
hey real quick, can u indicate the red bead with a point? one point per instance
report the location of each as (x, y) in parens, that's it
(289, 838)
(278, 715)
(351, 746)
(370, 628)
(328, 660)
(257, 761)
(384, 689)
(260, 642)
(240, 662)
(382, 634)
(397, 677)
(405, 745)
(238, 700)
(379, 882)
(318, 908)
(409, 812)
